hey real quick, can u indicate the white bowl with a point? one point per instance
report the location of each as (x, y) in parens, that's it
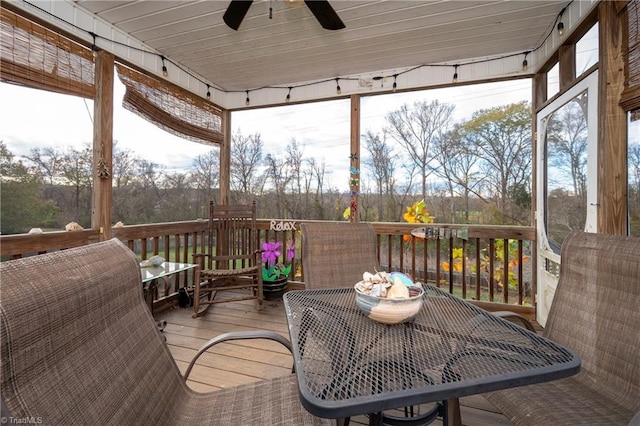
(391, 311)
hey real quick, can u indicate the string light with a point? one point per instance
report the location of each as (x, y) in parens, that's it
(247, 101)
(164, 67)
(338, 90)
(525, 64)
(560, 24)
(455, 74)
(208, 92)
(395, 84)
(94, 48)
(560, 29)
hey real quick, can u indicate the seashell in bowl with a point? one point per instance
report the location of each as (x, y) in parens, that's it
(388, 310)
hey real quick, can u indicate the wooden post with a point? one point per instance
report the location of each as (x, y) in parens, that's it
(103, 145)
(225, 158)
(567, 61)
(612, 125)
(354, 170)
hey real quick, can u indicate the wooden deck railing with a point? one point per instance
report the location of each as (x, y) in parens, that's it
(490, 264)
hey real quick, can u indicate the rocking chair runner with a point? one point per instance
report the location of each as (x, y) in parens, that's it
(232, 260)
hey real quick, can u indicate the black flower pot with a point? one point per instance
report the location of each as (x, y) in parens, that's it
(273, 290)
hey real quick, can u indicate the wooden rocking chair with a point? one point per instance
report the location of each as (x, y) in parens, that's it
(232, 261)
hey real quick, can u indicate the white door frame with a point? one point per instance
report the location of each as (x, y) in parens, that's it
(548, 276)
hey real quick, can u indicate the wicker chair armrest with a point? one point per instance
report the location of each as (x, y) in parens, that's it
(239, 335)
(508, 315)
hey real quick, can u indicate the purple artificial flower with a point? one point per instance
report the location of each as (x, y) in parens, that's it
(270, 253)
(291, 251)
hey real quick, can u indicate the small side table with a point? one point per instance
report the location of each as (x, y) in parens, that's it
(152, 274)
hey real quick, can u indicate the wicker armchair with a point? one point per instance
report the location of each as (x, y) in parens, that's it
(596, 313)
(336, 254)
(80, 347)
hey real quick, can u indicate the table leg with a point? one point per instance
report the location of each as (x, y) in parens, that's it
(375, 419)
(148, 295)
(452, 413)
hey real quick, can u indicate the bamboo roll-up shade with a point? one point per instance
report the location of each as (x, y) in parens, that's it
(631, 94)
(171, 108)
(37, 57)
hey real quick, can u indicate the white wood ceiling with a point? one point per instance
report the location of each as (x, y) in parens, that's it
(292, 47)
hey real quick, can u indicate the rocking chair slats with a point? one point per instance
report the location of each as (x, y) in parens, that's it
(232, 260)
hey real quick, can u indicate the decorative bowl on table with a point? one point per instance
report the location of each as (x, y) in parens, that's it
(380, 297)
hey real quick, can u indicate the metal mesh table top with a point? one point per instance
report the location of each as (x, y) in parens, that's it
(348, 364)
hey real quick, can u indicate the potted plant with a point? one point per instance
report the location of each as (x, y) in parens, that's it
(275, 275)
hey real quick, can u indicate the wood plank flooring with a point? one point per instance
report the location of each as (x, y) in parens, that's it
(237, 362)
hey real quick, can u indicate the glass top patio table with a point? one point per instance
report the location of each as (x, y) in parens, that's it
(348, 364)
(164, 269)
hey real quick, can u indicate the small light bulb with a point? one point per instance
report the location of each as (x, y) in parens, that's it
(525, 65)
(208, 95)
(560, 28)
(164, 67)
(247, 101)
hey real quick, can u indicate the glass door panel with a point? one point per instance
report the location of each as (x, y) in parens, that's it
(566, 180)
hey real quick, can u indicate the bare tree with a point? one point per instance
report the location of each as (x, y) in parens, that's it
(246, 158)
(48, 163)
(455, 163)
(278, 175)
(567, 145)
(206, 177)
(416, 128)
(77, 169)
(123, 168)
(382, 165)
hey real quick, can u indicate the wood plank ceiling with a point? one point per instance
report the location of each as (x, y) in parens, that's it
(292, 47)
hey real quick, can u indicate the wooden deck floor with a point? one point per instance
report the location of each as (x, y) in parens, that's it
(230, 364)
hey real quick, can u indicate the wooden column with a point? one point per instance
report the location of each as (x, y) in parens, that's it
(354, 175)
(103, 145)
(567, 61)
(225, 158)
(612, 124)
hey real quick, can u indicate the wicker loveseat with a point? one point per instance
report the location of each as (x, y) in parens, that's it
(595, 312)
(80, 347)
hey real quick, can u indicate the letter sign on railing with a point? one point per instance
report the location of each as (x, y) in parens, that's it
(282, 226)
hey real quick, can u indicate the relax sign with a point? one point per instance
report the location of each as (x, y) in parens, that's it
(282, 226)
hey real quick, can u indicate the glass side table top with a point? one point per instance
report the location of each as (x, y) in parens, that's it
(166, 268)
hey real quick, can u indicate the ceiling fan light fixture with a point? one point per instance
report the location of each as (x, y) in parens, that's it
(293, 3)
(321, 9)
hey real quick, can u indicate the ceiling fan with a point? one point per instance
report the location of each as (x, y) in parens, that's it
(321, 9)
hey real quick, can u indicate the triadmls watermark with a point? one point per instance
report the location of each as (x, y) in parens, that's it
(29, 420)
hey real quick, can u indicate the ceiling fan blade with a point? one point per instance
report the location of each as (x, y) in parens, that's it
(236, 12)
(325, 14)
